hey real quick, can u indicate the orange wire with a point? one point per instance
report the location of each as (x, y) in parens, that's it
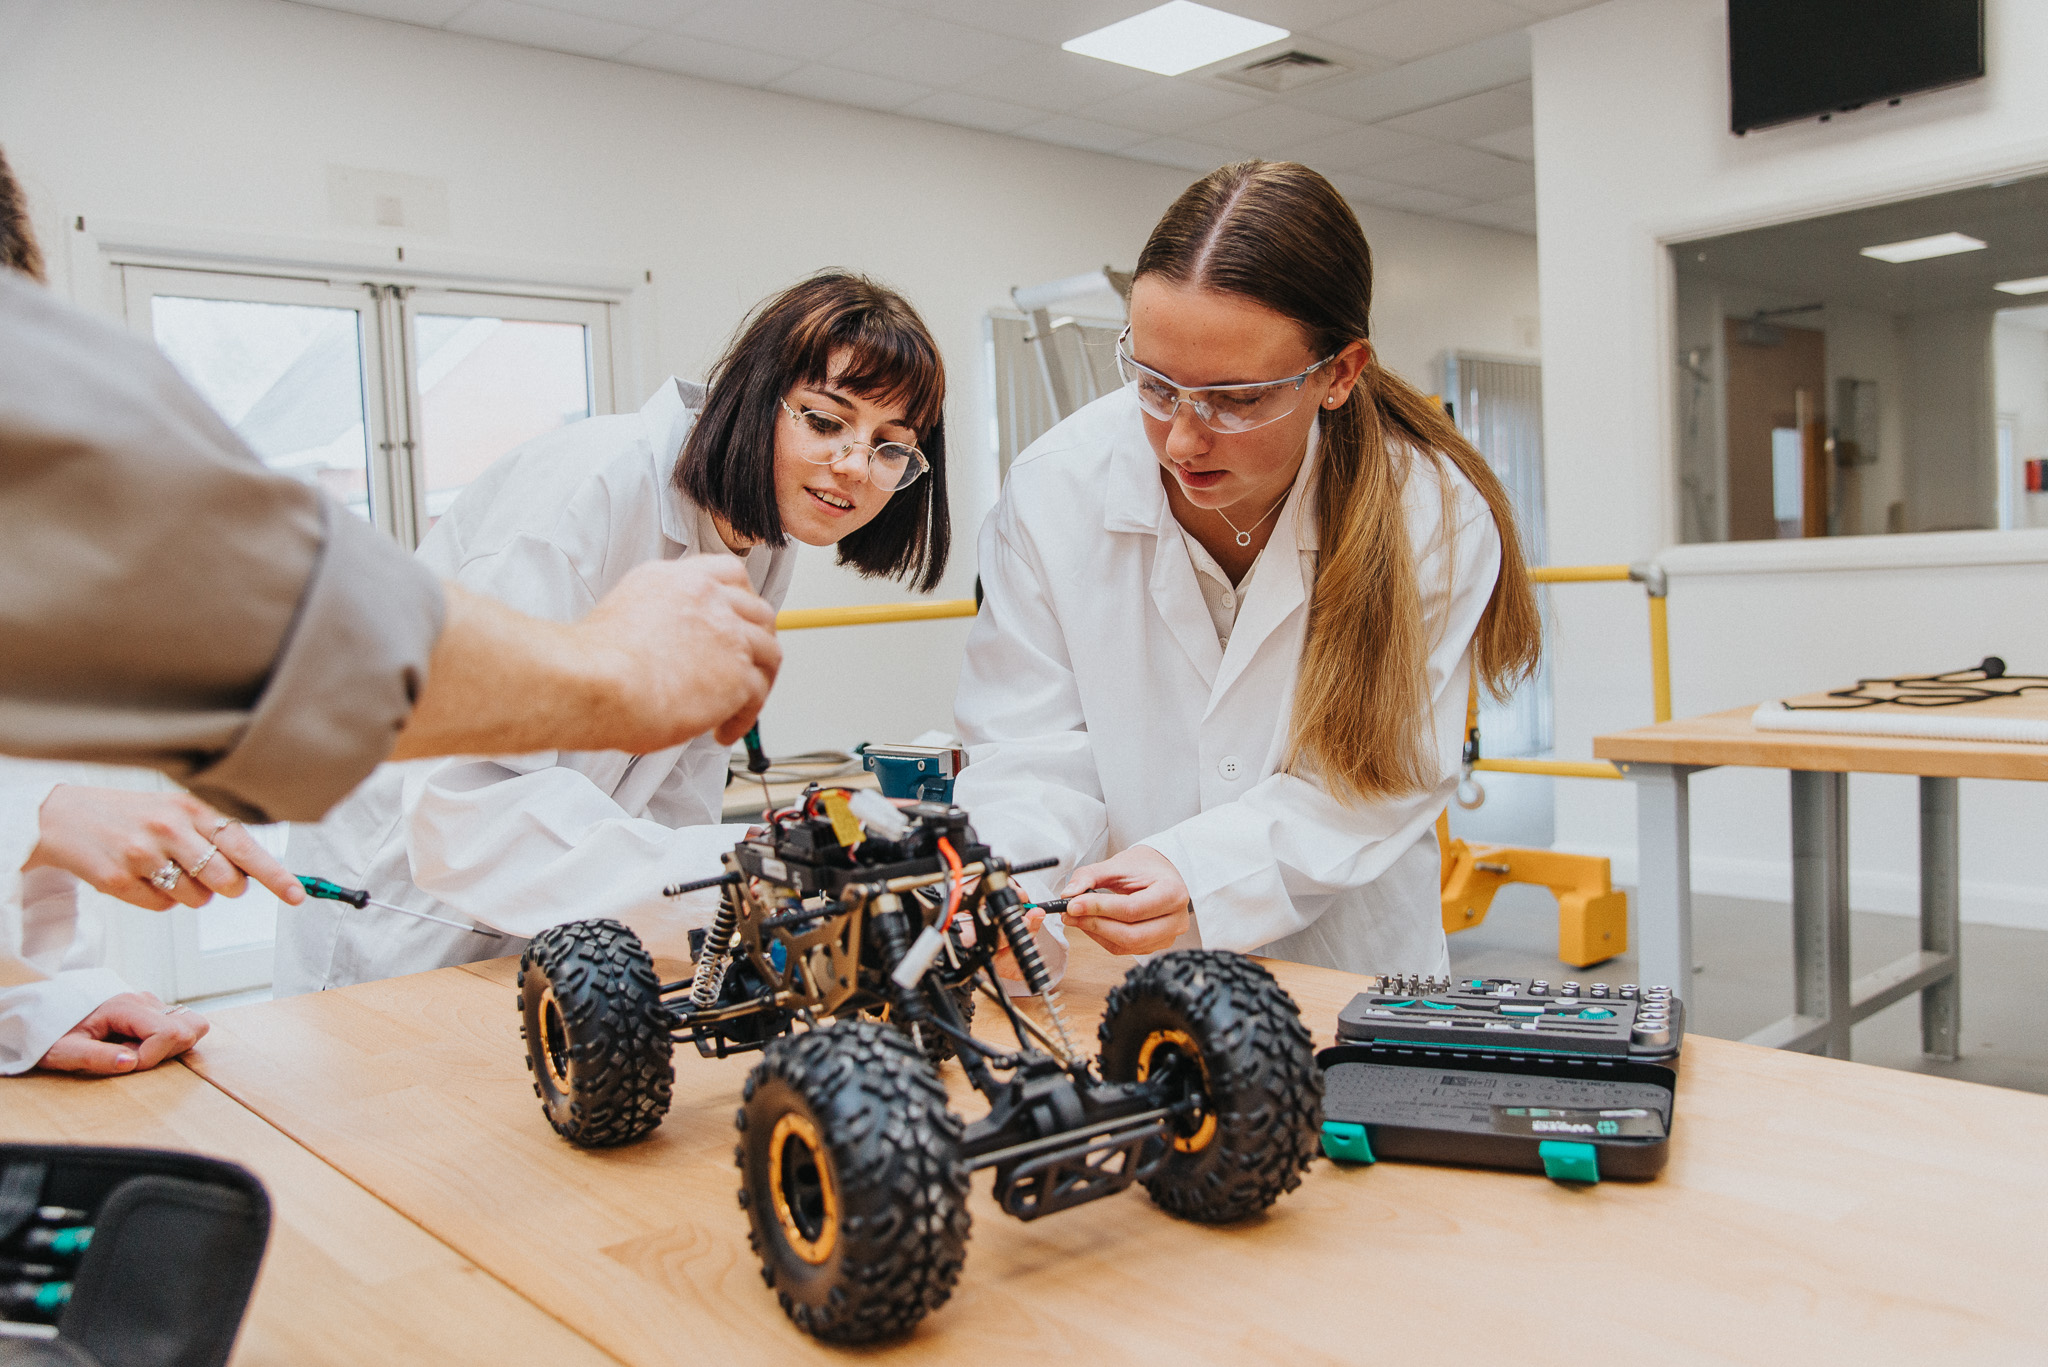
(952, 882)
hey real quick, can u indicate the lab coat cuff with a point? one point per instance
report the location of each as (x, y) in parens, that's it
(21, 823)
(36, 1015)
(352, 665)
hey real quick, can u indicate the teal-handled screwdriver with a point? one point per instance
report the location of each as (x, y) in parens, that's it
(357, 897)
(757, 761)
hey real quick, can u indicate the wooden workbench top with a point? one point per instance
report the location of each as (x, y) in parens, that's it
(1731, 738)
(1813, 1211)
(346, 1280)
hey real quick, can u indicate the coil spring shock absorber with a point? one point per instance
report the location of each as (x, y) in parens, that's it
(710, 975)
(1010, 914)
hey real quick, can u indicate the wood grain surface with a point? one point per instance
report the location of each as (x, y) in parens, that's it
(1813, 1211)
(346, 1280)
(1731, 738)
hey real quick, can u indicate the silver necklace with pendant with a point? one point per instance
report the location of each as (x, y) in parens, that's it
(1244, 537)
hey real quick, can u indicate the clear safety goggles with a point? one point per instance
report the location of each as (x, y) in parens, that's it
(1222, 408)
(890, 466)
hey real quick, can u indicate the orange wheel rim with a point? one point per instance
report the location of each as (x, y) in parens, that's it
(1183, 1043)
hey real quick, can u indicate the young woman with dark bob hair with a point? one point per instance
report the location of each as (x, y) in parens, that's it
(1233, 608)
(822, 424)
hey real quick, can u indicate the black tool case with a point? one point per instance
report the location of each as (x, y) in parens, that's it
(1574, 1082)
(148, 1256)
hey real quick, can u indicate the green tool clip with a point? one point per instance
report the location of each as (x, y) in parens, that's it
(1566, 1160)
(1347, 1142)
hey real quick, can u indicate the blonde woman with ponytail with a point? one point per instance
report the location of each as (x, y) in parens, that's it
(1232, 610)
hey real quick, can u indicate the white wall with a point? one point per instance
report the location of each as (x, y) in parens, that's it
(1632, 138)
(226, 115)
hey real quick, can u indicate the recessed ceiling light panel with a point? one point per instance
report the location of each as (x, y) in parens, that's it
(1921, 248)
(1175, 37)
(2037, 284)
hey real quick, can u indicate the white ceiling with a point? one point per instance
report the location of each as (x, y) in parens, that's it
(1433, 116)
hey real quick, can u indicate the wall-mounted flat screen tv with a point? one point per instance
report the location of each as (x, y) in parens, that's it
(1798, 59)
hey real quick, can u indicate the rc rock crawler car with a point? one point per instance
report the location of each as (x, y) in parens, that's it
(873, 927)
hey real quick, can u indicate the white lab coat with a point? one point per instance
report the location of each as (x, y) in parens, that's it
(1100, 711)
(50, 973)
(519, 843)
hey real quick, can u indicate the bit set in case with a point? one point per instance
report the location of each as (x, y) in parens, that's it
(1572, 1080)
(1518, 1016)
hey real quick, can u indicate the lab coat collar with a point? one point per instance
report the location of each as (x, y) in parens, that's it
(1134, 500)
(1283, 582)
(667, 419)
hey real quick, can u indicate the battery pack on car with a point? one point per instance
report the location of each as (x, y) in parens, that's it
(1574, 1081)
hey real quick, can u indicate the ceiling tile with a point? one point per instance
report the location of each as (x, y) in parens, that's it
(971, 111)
(1547, 8)
(1519, 143)
(1266, 129)
(1408, 29)
(545, 28)
(1359, 146)
(1473, 117)
(1189, 156)
(432, 13)
(1512, 214)
(1302, 16)
(1058, 81)
(1492, 182)
(1434, 167)
(931, 51)
(1404, 197)
(1169, 106)
(848, 87)
(1041, 21)
(807, 29)
(713, 61)
(654, 14)
(1085, 134)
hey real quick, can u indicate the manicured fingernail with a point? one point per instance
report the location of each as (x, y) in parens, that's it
(125, 1059)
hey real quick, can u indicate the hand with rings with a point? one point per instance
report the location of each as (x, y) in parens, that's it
(153, 850)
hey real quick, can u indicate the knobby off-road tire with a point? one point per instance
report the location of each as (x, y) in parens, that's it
(596, 1034)
(1223, 1026)
(851, 1177)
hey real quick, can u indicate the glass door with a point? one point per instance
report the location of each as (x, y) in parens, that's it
(294, 366)
(490, 372)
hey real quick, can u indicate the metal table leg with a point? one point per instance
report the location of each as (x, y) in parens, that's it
(1663, 929)
(1820, 904)
(1941, 1002)
(1823, 1005)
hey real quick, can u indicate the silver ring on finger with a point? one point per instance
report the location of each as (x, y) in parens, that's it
(220, 826)
(204, 860)
(174, 1009)
(166, 878)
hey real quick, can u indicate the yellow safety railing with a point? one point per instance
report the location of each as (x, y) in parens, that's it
(872, 614)
(1651, 577)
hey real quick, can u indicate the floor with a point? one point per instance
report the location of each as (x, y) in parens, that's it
(1743, 980)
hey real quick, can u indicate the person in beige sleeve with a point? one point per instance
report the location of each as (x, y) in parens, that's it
(166, 601)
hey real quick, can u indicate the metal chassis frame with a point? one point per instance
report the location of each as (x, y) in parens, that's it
(1827, 1002)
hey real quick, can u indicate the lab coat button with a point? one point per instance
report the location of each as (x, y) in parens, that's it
(1229, 768)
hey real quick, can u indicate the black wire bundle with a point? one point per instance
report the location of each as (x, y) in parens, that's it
(1953, 689)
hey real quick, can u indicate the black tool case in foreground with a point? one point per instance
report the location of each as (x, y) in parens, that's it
(126, 1257)
(1575, 1083)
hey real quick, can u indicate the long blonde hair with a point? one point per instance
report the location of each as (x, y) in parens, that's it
(1280, 235)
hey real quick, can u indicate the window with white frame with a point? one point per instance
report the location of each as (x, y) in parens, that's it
(391, 396)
